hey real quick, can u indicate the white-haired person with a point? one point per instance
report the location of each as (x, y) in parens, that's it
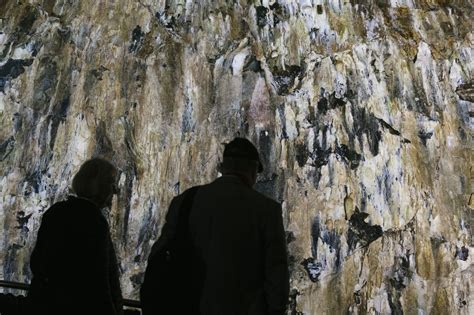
(73, 264)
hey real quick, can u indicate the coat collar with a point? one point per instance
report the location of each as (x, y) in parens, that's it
(230, 179)
(82, 199)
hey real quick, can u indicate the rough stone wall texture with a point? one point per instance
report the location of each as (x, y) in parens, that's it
(363, 111)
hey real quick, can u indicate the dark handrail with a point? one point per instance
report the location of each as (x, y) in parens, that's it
(25, 287)
(14, 285)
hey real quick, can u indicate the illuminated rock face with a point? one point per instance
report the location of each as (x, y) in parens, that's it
(362, 111)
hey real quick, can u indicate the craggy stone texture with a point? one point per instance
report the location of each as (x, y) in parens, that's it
(362, 110)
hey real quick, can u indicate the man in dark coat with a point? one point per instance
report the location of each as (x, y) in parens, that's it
(238, 233)
(73, 263)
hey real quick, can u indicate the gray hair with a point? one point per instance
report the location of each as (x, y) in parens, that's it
(89, 179)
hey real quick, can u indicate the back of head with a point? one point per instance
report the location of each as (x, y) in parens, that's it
(93, 179)
(242, 158)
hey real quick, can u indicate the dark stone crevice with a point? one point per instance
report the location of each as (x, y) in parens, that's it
(131, 173)
(129, 178)
(321, 153)
(320, 156)
(393, 297)
(252, 64)
(265, 147)
(52, 101)
(6, 147)
(23, 30)
(98, 72)
(466, 91)
(315, 232)
(290, 237)
(398, 282)
(285, 80)
(333, 239)
(11, 70)
(279, 13)
(350, 157)
(137, 280)
(424, 136)
(103, 144)
(331, 101)
(281, 113)
(365, 124)
(58, 116)
(361, 233)
(392, 130)
(22, 220)
(10, 262)
(28, 18)
(45, 83)
(188, 124)
(33, 180)
(401, 273)
(273, 187)
(327, 236)
(462, 253)
(138, 37)
(313, 268)
(91, 79)
(148, 227)
(261, 15)
(315, 265)
(130, 169)
(292, 305)
(301, 154)
(170, 21)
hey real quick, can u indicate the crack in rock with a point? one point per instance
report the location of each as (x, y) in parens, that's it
(360, 232)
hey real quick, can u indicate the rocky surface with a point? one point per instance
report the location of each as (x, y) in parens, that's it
(363, 112)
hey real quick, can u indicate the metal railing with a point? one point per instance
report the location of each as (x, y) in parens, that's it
(25, 287)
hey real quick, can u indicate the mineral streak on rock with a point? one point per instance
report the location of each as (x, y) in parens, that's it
(362, 110)
(360, 232)
(137, 39)
(12, 69)
(466, 90)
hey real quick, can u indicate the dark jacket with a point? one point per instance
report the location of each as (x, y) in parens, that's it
(73, 263)
(239, 235)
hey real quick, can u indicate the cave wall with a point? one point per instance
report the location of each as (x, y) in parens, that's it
(362, 110)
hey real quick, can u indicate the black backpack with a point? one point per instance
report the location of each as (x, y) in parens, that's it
(175, 273)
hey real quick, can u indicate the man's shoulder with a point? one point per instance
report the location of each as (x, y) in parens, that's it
(263, 204)
(55, 209)
(187, 192)
(73, 210)
(264, 199)
(257, 198)
(178, 200)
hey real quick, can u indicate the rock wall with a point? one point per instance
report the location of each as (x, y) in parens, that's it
(362, 110)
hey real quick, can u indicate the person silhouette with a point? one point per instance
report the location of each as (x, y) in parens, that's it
(73, 263)
(237, 234)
